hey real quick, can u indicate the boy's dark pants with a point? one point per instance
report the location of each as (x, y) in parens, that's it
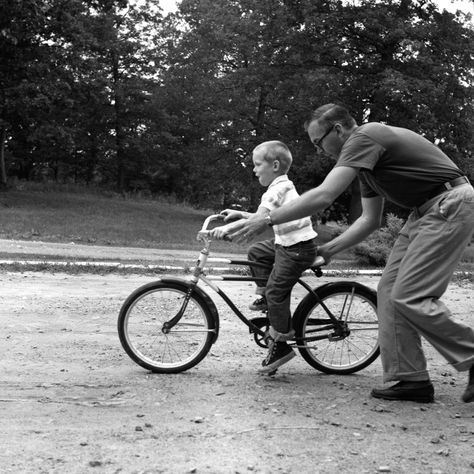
(288, 265)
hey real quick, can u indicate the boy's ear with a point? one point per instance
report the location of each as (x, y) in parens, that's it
(276, 165)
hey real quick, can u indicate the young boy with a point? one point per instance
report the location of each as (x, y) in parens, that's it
(292, 251)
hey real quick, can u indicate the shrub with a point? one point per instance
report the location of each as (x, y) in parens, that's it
(376, 248)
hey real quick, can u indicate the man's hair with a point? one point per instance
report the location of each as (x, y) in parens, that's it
(328, 114)
(276, 150)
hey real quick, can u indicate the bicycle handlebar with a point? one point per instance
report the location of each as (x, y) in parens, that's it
(203, 234)
(212, 218)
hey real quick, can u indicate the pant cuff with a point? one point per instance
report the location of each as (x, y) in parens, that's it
(280, 336)
(420, 376)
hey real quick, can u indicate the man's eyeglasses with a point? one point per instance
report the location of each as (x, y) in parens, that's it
(318, 144)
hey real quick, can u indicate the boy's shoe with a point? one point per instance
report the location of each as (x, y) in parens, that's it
(279, 353)
(422, 392)
(468, 395)
(260, 304)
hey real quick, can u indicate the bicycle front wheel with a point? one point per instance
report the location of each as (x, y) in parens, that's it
(141, 327)
(342, 348)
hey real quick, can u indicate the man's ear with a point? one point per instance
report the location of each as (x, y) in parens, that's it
(339, 129)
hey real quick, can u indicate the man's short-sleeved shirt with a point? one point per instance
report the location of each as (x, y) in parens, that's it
(282, 191)
(396, 163)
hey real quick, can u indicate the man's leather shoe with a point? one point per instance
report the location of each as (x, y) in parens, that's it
(468, 395)
(422, 392)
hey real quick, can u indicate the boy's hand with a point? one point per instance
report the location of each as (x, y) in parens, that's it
(231, 215)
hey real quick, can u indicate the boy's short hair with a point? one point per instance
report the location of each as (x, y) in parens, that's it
(276, 150)
(328, 114)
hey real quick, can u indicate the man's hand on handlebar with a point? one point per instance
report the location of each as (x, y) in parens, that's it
(323, 258)
(251, 227)
(219, 233)
(319, 261)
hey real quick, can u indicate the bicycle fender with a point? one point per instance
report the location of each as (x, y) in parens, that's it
(310, 299)
(204, 296)
(353, 283)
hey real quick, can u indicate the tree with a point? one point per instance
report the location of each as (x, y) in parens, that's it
(268, 63)
(410, 65)
(122, 36)
(77, 74)
(22, 57)
(243, 52)
(110, 91)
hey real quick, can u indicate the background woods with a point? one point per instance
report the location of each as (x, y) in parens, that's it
(113, 93)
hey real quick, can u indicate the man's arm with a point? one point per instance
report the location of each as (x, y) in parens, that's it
(228, 229)
(369, 220)
(317, 199)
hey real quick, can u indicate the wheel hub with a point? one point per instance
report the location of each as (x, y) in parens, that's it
(340, 333)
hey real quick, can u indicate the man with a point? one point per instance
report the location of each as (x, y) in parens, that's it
(403, 167)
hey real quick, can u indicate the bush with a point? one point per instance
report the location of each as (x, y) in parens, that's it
(375, 250)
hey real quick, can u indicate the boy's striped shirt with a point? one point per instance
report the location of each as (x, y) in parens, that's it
(282, 191)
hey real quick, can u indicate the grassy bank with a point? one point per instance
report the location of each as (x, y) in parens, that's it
(100, 219)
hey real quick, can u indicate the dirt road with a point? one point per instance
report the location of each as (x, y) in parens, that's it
(73, 402)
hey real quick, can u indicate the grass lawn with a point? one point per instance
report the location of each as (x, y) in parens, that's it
(68, 214)
(95, 218)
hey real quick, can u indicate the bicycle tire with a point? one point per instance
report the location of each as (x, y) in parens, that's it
(140, 324)
(350, 302)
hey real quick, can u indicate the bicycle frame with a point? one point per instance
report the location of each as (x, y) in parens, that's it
(169, 325)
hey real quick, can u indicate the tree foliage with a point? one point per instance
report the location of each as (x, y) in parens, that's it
(109, 91)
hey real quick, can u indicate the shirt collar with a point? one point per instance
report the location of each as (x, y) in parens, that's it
(279, 179)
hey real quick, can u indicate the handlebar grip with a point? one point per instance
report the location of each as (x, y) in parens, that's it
(227, 238)
(319, 262)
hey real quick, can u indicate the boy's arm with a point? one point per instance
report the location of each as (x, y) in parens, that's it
(232, 214)
(262, 211)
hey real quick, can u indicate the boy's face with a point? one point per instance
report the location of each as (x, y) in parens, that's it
(265, 171)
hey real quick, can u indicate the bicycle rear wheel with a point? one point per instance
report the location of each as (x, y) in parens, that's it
(140, 327)
(322, 344)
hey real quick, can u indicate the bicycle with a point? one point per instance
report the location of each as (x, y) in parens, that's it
(169, 325)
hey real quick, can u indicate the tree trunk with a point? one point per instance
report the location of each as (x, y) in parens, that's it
(3, 170)
(255, 193)
(119, 132)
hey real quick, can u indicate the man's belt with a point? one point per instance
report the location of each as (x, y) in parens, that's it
(446, 187)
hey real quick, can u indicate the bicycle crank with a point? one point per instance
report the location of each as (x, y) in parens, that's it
(261, 323)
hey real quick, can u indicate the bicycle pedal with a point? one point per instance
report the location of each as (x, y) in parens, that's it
(272, 373)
